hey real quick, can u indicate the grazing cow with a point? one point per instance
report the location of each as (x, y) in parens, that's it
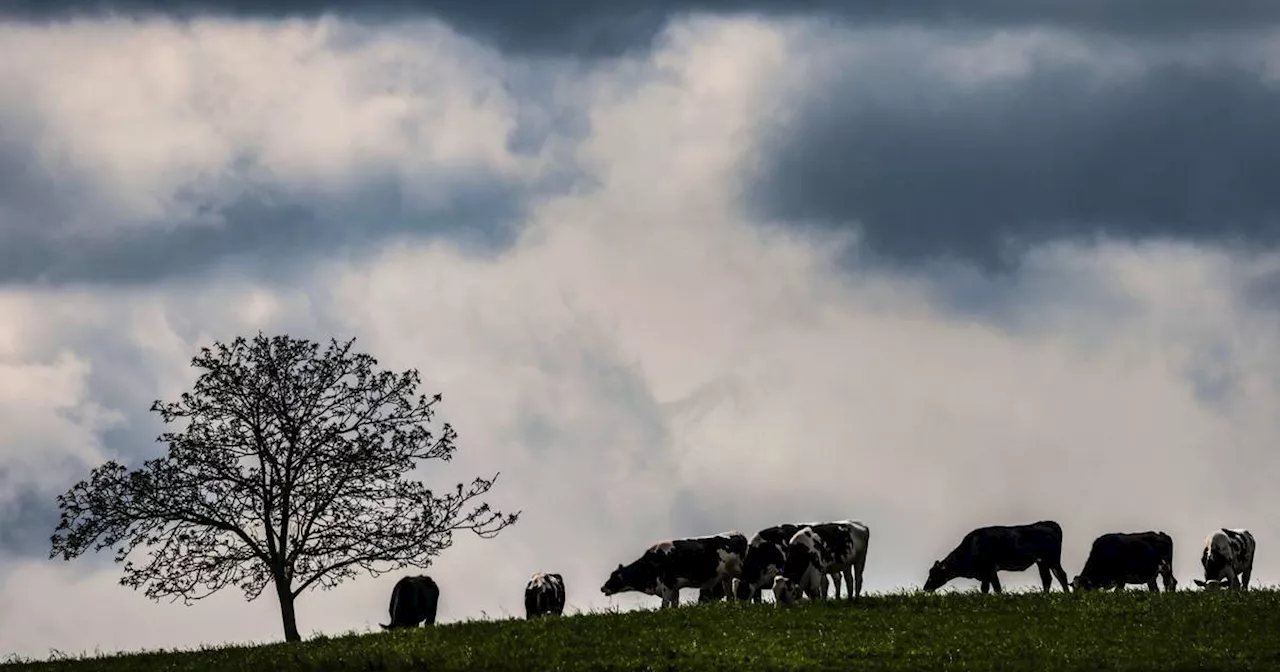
(786, 591)
(413, 601)
(766, 553)
(544, 595)
(707, 563)
(836, 549)
(1227, 559)
(1003, 548)
(1118, 559)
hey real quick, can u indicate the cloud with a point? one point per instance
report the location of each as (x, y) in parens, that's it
(233, 140)
(647, 356)
(581, 27)
(934, 147)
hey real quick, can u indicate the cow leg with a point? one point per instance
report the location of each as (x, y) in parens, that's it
(1166, 573)
(1044, 575)
(995, 583)
(986, 586)
(1060, 574)
(1244, 578)
(1151, 585)
(858, 566)
(848, 583)
(835, 579)
(1232, 578)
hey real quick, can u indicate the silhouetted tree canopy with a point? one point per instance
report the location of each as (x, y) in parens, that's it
(288, 466)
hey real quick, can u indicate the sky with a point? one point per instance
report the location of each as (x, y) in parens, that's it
(676, 268)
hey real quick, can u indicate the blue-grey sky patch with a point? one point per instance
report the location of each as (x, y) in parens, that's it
(272, 228)
(29, 519)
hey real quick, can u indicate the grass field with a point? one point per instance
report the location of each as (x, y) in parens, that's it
(958, 631)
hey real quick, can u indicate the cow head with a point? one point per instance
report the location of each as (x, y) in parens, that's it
(1213, 584)
(1080, 584)
(939, 575)
(636, 577)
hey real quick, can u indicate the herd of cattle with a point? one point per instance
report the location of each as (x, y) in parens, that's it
(796, 560)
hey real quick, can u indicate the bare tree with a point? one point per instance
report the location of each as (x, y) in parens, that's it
(289, 467)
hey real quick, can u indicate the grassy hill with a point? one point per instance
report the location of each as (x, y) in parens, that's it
(959, 631)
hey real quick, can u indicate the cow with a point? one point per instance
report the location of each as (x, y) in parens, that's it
(1003, 548)
(1118, 559)
(1227, 559)
(413, 601)
(544, 595)
(766, 553)
(708, 563)
(837, 549)
(786, 591)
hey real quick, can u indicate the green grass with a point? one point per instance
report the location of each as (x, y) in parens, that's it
(959, 631)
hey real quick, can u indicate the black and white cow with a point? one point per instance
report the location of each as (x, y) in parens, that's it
(801, 571)
(1118, 559)
(709, 564)
(837, 549)
(413, 601)
(1227, 559)
(544, 595)
(766, 553)
(1003, 548)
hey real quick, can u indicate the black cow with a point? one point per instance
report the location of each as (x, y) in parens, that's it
(413, 601)
(544, 595)
(1003, 548)
(1118, 559)
(1227, 559)
(766, 553)
(707, 563)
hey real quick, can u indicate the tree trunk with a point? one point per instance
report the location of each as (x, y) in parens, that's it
(287, 614)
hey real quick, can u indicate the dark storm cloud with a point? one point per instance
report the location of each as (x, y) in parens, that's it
(608, 28)
(932, 169)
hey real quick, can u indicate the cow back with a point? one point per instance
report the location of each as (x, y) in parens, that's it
(414, 599)
(1007, 547)
(844, 542)
(1133, 556)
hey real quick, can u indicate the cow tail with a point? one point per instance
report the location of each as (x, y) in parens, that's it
(395, 600)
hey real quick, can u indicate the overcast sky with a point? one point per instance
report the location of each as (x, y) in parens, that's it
(674, 272)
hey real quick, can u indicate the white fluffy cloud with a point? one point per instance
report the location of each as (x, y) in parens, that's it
(645, 360)
(161, 123)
